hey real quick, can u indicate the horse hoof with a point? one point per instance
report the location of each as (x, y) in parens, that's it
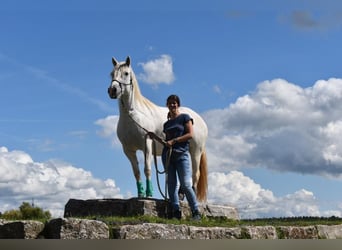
(149, 194)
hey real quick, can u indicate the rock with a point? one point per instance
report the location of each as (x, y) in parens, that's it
(140, 206)
(259, 232)
(152, 207)
(71, 228)
(291, 232)
(115, 207)
(214, 211)
(163, 231)
(104, 207)
(214, 232)
(329, 232)
(27, 229)
(152, 231)
(168, 231)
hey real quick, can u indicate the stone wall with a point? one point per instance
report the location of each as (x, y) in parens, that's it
(162, 231)
(61, 228)
(72, 228)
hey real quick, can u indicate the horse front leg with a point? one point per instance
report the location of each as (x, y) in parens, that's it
(132, 157)
(147, 168)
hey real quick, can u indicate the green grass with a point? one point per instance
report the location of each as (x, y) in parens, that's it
(116, 222)
(224, 222)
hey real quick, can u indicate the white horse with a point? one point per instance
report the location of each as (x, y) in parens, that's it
(139, 115)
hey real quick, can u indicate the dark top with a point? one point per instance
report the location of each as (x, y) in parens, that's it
(174, 128)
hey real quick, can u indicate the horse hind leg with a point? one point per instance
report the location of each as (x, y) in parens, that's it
(132, 157)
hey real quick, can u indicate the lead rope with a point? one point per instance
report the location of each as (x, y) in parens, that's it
(166, 169)
(155, 138)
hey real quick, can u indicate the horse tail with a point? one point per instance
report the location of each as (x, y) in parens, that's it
(202, 185)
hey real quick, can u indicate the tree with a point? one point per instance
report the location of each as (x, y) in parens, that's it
(26, 212)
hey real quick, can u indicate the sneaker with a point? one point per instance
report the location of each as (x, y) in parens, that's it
(196, 216)
(177, 214)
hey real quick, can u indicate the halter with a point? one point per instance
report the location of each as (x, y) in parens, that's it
(125, 84)
(121, 83)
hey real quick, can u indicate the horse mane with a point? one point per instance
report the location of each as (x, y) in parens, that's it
(137, 93)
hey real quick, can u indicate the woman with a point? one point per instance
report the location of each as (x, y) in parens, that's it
(178, 130)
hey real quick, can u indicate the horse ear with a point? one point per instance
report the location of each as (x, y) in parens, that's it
(114, 61)
(128, 61)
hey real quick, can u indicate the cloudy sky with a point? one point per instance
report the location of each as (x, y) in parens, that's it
(267, 80)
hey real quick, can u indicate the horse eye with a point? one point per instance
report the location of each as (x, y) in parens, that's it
(126, 73)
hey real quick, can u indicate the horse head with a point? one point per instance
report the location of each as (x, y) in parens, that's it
(121, 78)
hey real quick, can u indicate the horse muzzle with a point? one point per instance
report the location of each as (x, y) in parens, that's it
(112, 93)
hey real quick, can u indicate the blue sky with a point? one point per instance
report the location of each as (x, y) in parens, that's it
(266, 78)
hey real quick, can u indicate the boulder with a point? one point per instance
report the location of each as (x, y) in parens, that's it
(151, 231)
(96, 207)
(214, 232)
(219, 211)
(71, 228)
(140, 206)
(293, 232)
(329, 232)
(169, 231)
(259, 232)
(27, 229)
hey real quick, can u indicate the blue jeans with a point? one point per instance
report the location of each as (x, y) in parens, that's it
(180, 165)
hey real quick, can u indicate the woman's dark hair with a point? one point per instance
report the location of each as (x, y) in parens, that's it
(173, 98)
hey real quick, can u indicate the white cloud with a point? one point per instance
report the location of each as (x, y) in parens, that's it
(51, 184)
(332, 152)
(253, 201)
(158, 71)
(280, 126)
(108, 129)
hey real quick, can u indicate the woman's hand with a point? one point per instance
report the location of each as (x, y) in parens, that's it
(171, 142)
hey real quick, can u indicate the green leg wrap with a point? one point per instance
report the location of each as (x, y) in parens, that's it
(141, 191)
(149, 188)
